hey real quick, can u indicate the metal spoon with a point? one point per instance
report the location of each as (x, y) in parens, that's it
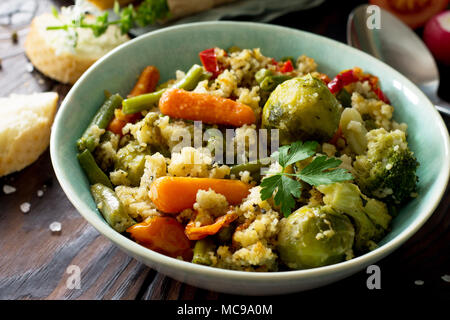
(397, 45)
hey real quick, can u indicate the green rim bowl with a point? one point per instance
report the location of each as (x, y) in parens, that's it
(177, 48)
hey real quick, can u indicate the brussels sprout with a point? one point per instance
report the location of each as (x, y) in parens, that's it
(315, 236)
(302, 108)
(131, 158)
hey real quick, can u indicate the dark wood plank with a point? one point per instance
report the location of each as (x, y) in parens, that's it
(34, 261)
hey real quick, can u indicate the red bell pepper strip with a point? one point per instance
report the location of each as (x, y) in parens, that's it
(209, 61)
(341, 80)
(350, 76)
(287, 67)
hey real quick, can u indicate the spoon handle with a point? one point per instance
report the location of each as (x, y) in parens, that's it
(443, 110)
(442, 106)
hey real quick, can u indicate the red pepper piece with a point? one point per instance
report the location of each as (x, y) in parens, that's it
(381, 95)
(335, 85)
(348, 77)
(209, 61)
(287, 67)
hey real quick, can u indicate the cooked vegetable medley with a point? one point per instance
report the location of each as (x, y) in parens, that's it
(249, 163)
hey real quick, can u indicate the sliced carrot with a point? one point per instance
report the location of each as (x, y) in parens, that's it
(196, 233)
(147, 81)
(178, 103)
(121, 119)
(174, 194)
(164, 235)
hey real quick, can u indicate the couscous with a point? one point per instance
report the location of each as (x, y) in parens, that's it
(250, 163)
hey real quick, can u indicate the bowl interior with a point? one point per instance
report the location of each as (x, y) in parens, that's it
(178, 47)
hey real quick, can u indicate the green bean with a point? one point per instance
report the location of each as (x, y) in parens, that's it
(92, 170)
(201, 249)
(190, 81)
(144, 101)
(141, 102)
(344, 98)
(271, 82)
(254, 167)
(111, 208)
(102, 118)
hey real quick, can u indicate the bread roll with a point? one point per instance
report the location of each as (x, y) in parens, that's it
(53, 53)
(25, 122)
(182, 8)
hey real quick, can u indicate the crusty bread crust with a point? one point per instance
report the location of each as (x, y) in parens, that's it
(26, 135)
(65, 67)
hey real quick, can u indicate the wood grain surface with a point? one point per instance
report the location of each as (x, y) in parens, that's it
(34, 261)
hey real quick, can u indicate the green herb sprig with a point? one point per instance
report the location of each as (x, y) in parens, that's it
(322, 170)
(148, 12)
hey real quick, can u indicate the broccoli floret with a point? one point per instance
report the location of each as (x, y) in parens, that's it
(388, 170)
(370, 216)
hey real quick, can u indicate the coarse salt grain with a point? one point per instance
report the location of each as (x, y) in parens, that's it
(55, 226)
(7, 189)
(29, 67)
(25, 207)
(40, 193)
(419, 282)
(446, 278)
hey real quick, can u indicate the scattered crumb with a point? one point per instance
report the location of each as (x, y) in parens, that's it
(55, 227)
(446, 278)
(25, 207)
(41, 81)
(419, 282)
(40, 193)
(7, 189)
(29, 67)
(14, 37)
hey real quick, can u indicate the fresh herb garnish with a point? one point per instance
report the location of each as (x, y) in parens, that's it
(148, 12)
(322, 170)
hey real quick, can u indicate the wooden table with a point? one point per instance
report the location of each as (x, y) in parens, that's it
(34, 260)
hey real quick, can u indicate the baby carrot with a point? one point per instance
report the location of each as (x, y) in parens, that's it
(205, 107)
(174, 194)
(196, 233)
(147, 81)
(164, 235)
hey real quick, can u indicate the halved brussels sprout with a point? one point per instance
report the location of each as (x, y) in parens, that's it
(315, 236)
(302, 108)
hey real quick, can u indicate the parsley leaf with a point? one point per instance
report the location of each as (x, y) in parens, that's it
(148, 12)
(296, 152)
(316, 173)
(286, 188)
(322, 170)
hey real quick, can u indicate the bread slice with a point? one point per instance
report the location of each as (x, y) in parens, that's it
(53, 53)
(107, 4)
(25, 122)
